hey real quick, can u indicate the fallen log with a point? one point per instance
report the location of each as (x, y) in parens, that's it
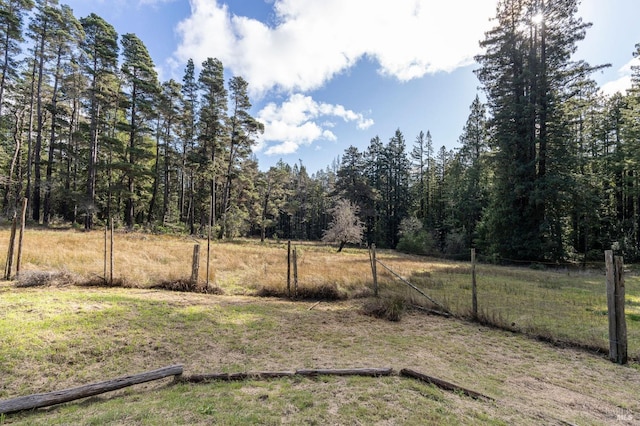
(370, 372)
(228, 377)
(431, 311)
(259, 375)
(442, 384)
(58, 397)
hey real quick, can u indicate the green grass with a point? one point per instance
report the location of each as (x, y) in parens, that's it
(65, 337)
(567, 307)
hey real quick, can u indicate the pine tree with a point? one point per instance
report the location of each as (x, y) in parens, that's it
(471, 196)
(526, 72)
(11, 22)
(188, 135)
(43, 24)
(243, 129)
(422, 154)
(66, 36)
(141, 78)
(100, 56)
(212, 131)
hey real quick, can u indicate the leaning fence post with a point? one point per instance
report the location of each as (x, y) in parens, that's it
(474, 289)
(374, 269)
(12, 242)
(23, 221)
(615, 305)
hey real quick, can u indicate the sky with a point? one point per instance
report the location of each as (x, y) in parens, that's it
(327, 74)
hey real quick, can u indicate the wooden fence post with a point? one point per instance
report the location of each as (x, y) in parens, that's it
(106, 230)
(111, 260)
(195, 264)
(295, 272)
(289, 269)
(23, 221)
(615, 305)
(12, 243)
(474, 289)
(374, 269)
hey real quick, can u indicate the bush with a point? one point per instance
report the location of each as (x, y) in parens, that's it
(390, 309)
(418, 243)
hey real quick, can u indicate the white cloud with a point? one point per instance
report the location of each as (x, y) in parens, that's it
(154, 2)
(302, 121)
(312, 41)
(623, 82)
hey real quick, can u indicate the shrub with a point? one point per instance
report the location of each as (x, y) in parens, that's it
(419, 243)
(44, 278)
(390, 308)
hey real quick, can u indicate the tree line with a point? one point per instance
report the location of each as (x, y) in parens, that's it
(546, 168)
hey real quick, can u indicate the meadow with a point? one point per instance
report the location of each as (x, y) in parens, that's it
(58, 335)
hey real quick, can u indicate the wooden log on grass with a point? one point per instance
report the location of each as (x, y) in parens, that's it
(58, 397)
(230, 377)
(368, 372)
(258, 375)
(442, 384)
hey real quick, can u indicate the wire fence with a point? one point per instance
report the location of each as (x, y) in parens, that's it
(562, 305)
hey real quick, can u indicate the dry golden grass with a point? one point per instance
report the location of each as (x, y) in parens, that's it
(561, 306)
(143, 260)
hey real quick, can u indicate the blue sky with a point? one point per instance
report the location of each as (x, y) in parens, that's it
(326, 74)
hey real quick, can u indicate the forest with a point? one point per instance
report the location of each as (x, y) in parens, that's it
(546, 169)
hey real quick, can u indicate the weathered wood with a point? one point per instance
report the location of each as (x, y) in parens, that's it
(105, 276)
(369, 372)
(111, 261)
(374, 269)
(228, 377)
(260, 375)
(12, 241)
(314, 305)
(295, 272)
(621, 320)
(414, 287)
(474, 289)
(289, 268)
(195, 264)
(431, 311)
(58, 397)
(615, 307)
(23, 222)
(442, 384)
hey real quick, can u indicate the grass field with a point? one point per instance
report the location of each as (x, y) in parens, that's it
(61, 336)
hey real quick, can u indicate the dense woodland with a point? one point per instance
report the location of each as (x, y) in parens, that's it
(546, 169)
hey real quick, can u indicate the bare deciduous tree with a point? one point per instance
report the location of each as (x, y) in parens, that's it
(346, 226)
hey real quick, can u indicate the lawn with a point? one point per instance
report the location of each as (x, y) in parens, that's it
(62, 335)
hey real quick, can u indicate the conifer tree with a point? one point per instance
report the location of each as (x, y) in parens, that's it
(142, 81)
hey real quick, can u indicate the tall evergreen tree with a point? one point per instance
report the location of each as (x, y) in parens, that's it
(421, 156)
(142, 81)
(44, 23)
(243, 129)
(100, 56)
(211, 136)
(66, 37)
(188, 135)
(11, 24)
(526, 72)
